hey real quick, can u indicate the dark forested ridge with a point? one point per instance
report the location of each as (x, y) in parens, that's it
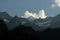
(27, 33)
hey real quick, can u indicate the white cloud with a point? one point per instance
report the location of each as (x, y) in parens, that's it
(56, 4)
(41, 14)
(28, 14)
(53, 6)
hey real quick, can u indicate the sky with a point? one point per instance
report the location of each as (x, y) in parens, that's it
(19, 7)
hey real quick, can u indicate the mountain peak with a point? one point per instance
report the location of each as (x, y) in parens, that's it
(5, 15)
(15, 16)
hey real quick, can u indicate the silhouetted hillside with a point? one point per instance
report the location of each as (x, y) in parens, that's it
(3, 29)
(55, 23)
(26, 33)
(23, 29)
(51, 34)
(3, 26)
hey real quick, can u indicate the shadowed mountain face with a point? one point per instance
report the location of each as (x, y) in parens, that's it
(55, 22)
(51, 34)
(36, 24)
(4, 15)
(26, 33)
(14, 22)
(3, 26)
(24, 29)
(20, 33)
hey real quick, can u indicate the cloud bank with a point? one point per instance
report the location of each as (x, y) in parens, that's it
(41, 14)
(56, 4)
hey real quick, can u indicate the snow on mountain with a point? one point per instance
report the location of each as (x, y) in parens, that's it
(7, 21)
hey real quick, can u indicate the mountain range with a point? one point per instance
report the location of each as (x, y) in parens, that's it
(36, 24)
(27, 29)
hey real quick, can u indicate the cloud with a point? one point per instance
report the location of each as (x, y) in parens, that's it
(41, 14)
(53, 6)
(56, 4)
(29, 14)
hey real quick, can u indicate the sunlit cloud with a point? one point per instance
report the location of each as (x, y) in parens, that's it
(41, 14)
(56, 4)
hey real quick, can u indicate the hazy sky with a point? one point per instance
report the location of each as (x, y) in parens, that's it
(13, 7)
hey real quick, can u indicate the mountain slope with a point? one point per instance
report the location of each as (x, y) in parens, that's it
(15, 21)
(55, 22)
(4, 16)
(3, 26)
